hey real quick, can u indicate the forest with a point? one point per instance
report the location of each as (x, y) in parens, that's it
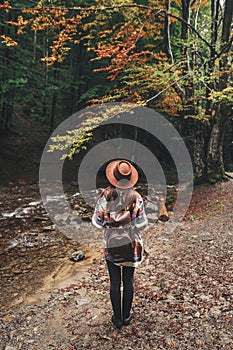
(173, 56)
(59, 59)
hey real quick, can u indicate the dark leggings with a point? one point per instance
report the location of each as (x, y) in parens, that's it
(115, 291)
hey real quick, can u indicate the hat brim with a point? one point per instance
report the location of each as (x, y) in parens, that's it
(124, 184)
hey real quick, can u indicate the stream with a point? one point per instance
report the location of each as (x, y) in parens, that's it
(31, 246)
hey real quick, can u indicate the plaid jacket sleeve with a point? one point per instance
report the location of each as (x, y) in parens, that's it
(100, 218)
(140, 218)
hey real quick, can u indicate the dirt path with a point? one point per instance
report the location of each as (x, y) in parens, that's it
(183, 291)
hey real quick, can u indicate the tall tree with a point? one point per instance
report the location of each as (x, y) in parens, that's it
(222, 109)
(185, 54)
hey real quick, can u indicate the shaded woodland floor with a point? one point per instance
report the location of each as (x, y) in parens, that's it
(183, 289)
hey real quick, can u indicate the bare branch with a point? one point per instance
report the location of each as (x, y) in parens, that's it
(191, 27)
(166, 88)
(225, 49)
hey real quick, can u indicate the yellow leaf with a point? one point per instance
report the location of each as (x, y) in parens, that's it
(8, 41)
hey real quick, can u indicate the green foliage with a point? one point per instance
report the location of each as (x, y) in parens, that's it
(170, 198)
(112, 51)
(91, 93)
(214, 178)
(7, 85)
(225, 96)
(76, 140)
(229, 167)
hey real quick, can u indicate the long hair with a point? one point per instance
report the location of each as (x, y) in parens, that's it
(119, 199)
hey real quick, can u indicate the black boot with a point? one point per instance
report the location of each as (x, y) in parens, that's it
(126, 320)
(117, 322)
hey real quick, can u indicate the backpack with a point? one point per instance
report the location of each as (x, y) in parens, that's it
(120, 237)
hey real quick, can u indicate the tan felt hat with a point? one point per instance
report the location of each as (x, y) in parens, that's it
(121, 174)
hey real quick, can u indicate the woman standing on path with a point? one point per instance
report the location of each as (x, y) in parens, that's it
(121, 212)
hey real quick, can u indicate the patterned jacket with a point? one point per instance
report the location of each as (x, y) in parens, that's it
(138, 222)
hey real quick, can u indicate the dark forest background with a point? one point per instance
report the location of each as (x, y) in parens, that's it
(57, 57)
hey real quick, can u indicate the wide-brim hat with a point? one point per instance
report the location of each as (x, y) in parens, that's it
(121, 174)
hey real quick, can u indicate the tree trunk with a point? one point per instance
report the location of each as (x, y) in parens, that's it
(54, 99)
(228, 146)
(195, 134)
(75, 86)
(215, 162)
(7, 100)
(215, 4)
(226, 42)
(188, 88)
(167, 41)
(227, 21)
